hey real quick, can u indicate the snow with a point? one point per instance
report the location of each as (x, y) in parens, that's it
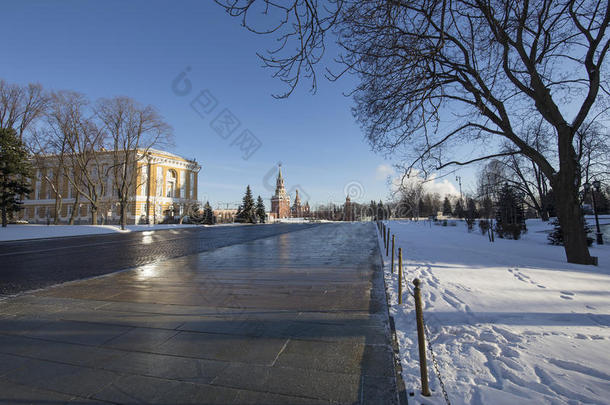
(20, 232)
(300, 221)
(510, 322)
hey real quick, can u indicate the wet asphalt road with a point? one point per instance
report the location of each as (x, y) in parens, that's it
(295, 318)
(34, 264)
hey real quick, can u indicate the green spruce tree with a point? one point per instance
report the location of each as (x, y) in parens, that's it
(373, 209)
(381, 211)
(510, 218)
(195, 214)
(459, 209)
(487, 208)
(447, 209)
(208, 214)
(15, 169)
(260, 210)
(247, 212)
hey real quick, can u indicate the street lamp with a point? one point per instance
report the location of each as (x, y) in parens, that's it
(459, 180)
(596, 187)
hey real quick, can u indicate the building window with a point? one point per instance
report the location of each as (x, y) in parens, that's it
(182, 184)
(170, 185)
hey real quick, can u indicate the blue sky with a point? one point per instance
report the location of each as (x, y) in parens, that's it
(138, 48)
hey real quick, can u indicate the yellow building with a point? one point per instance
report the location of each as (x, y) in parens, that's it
(166, 194)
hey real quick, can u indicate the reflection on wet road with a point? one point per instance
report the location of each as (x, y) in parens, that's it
(27, 265)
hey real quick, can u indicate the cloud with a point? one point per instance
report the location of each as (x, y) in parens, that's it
(431, 185)
(443, 187)
(383, 171)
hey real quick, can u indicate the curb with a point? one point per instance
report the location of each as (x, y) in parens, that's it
(400, 383)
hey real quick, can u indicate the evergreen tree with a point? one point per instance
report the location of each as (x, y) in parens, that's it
(459, 209)
(373, 209)
(602, 203)
(208, 214)
(487, 208)
(380, 211)
(471, 209)
(247, 213)
(556, 235)
(196, 216)
(447, 209)
(260, 210)
(510, 218)
(15, 169)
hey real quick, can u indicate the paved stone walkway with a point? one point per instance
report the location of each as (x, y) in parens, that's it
(296, 318)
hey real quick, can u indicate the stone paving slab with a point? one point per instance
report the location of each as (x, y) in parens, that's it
(296, 318)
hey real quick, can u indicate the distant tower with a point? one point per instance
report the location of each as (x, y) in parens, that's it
(306, 210)
(297, 210)
(280, 202)
(348, 210)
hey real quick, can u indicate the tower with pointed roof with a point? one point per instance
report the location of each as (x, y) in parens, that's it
(297, 209)
(280, 202)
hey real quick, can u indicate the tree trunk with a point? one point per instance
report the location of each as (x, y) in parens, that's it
(75, 207)
(93, 215)
(565, 186)
(57, 209)
(123, 218)
(4, 217)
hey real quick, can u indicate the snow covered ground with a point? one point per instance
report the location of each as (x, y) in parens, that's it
(19, 232)
(510, 322)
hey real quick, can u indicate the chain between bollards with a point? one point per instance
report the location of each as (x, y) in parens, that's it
(400, 275)
(421, 339)
(392, 254)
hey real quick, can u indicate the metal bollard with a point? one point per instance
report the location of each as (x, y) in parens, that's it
(421, 339)
(392, 254)
(387, 245)
(400, 275)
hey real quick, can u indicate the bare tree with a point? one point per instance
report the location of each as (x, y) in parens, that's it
(593, 148)
(495, 65)
(520, 173)
(133, 130)
(408, 194)
(70, 124)
(48, 152)
(20, 105)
